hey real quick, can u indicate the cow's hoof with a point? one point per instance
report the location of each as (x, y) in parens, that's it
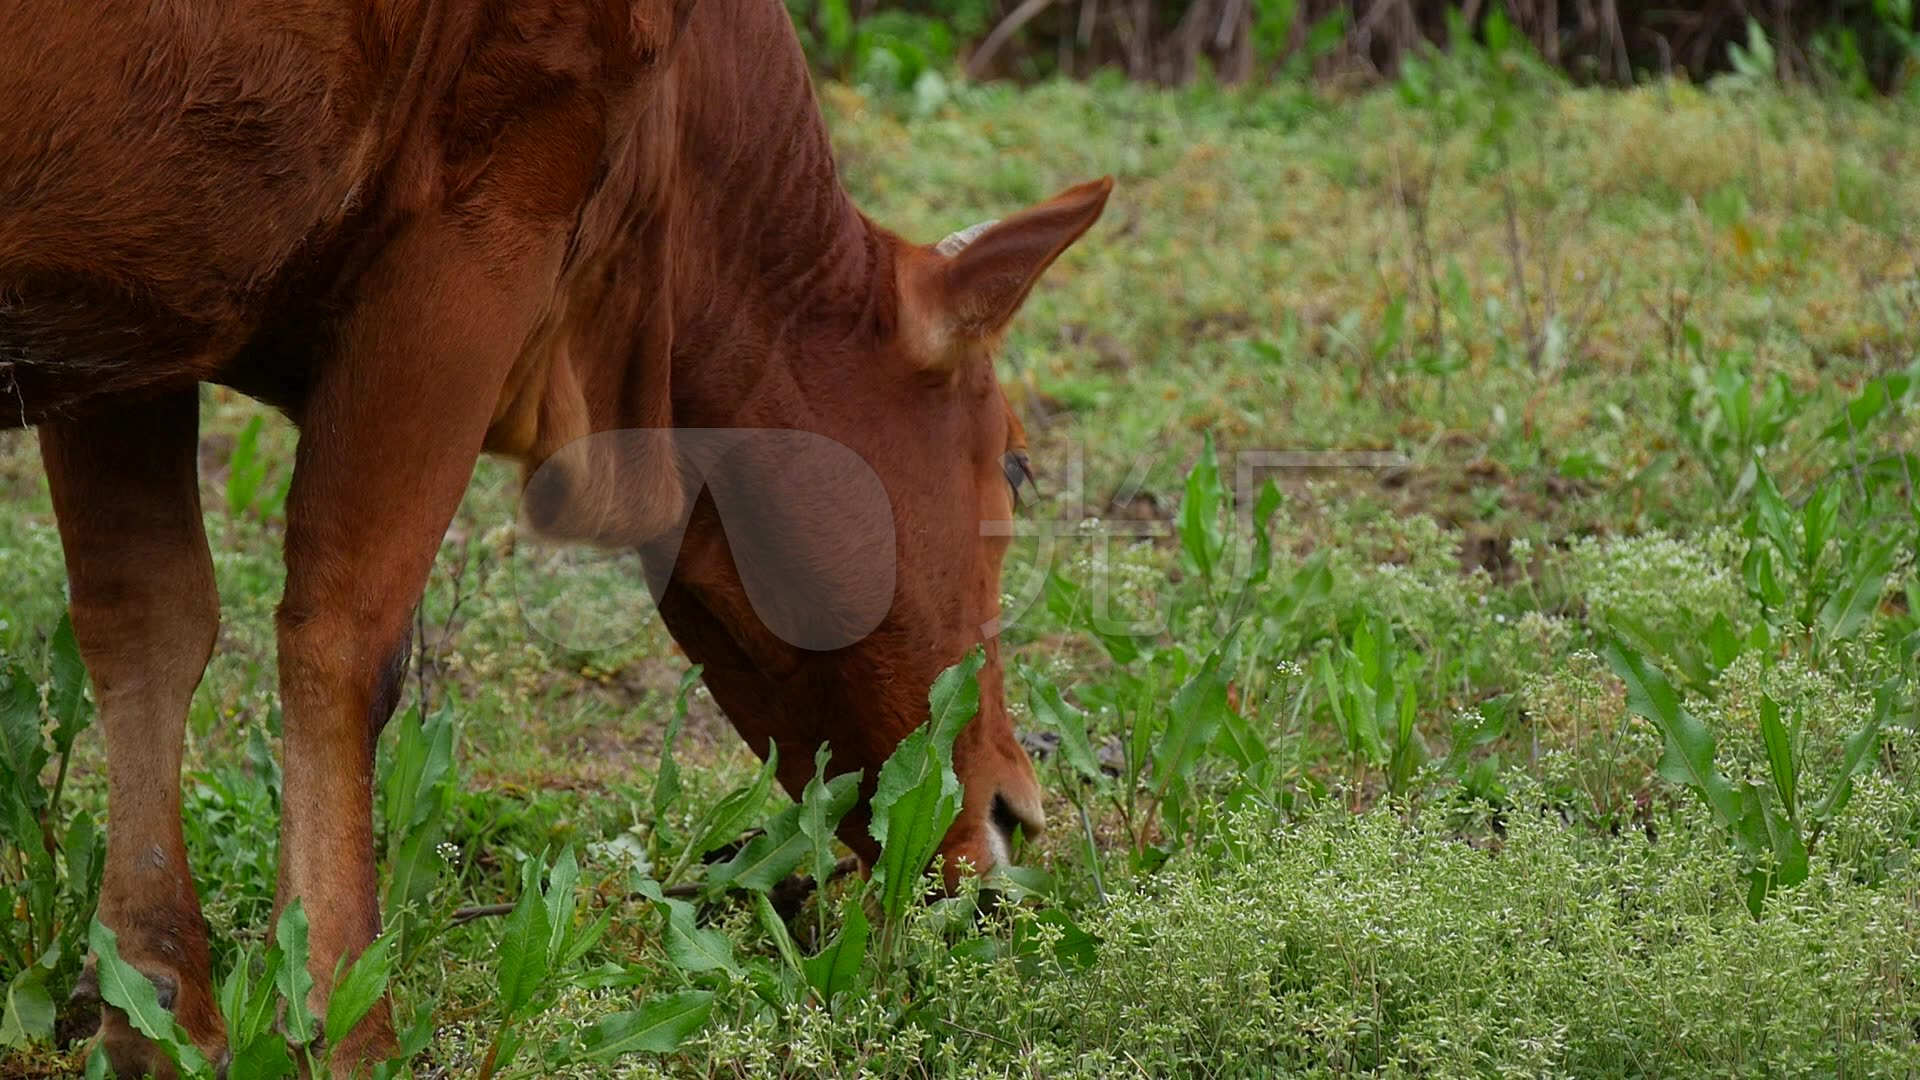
(134, 1055)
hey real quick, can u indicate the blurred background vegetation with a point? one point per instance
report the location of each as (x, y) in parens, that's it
(1855, 46)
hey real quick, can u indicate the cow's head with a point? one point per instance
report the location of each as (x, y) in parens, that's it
(856, 463)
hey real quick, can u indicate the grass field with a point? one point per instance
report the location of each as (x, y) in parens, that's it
(1573, 732)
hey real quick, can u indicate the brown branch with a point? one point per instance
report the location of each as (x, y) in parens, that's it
(1009, 26)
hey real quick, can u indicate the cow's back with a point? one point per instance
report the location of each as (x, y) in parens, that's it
(162, 161)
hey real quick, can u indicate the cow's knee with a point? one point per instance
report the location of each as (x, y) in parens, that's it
(146, 633)
(343, 671)
(390, 685)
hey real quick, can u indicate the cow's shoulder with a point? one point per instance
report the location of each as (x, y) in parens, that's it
(544, 99)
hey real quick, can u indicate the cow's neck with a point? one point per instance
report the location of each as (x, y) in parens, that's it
(773, 247)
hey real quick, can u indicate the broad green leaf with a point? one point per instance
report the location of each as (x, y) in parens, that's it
(822, 805)
(511, 1040)
(1169, 668)
(67, 700)
(1757, 570)
(1689, 755)
(84, 851)
(1759, 883)
(266, 1058)
(612, 976)
(954, 699)
(421, 761)
(418, 791)
(658, 1027)
(1772, 516)
(1336, 696)
(523, 943)
(1498, 31)
(837, 969)
(666, 781)
(776, 930)
(1817, 520)
(1052, 712)
(561, 899)
(1195, 715)
(1774, 842)
(918, 819)
(125, 988)
(293, 979)
(1789, 851)
(1021, 883)
(1310, 587)
(1198, 521)
(1861, 587)
(768, 858)
(253, 1018)
(28, 1013)
(1872, 400)
(1406, 748)
(414, 1040)
(1239, 743)
(1394, 326)
(729, 817)
(412, 872)
(359, 988)
(691, 947)
(1263, 510)
(978, 950)
(20, 823)
(1481, 727)
(233, 994)
(582, 943)
(22, 753)
(1779, 754)
(918, 795)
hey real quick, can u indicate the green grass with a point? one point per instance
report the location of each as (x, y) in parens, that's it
(1278, 881)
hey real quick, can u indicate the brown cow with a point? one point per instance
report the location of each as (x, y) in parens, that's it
(424, 228)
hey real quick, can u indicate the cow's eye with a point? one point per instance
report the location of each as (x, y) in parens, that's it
(1019, 472)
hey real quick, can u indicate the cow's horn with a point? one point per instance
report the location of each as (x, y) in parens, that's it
(955, 243)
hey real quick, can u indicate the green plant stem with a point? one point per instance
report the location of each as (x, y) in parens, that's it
(53, 801)
(1093, 851)
(686, 857)
(493, 1052)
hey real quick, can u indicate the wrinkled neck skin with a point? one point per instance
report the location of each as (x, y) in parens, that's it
(780, 309)
(740, 253)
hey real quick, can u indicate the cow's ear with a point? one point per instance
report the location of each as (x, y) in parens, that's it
(985, 273)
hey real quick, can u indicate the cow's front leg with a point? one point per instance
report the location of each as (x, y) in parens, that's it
(389, 437)
(145, 614)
